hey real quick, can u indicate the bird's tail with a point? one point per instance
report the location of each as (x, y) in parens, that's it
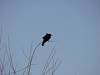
(42, 43)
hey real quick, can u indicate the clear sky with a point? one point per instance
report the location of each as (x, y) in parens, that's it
(75, 25)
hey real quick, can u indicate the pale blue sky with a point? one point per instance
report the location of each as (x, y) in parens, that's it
(75, 25)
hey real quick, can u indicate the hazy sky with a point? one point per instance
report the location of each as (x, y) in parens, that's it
(75, 25)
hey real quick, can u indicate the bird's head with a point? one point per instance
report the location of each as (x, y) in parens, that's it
(49, 34)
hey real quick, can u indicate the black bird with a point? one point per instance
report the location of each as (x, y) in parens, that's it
(46, 38)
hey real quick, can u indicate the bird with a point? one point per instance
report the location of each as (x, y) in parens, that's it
(46, 38)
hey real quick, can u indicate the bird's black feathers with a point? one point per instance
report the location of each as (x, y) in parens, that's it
(46, 38)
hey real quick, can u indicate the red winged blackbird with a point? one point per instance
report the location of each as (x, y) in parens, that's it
(46, 38)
